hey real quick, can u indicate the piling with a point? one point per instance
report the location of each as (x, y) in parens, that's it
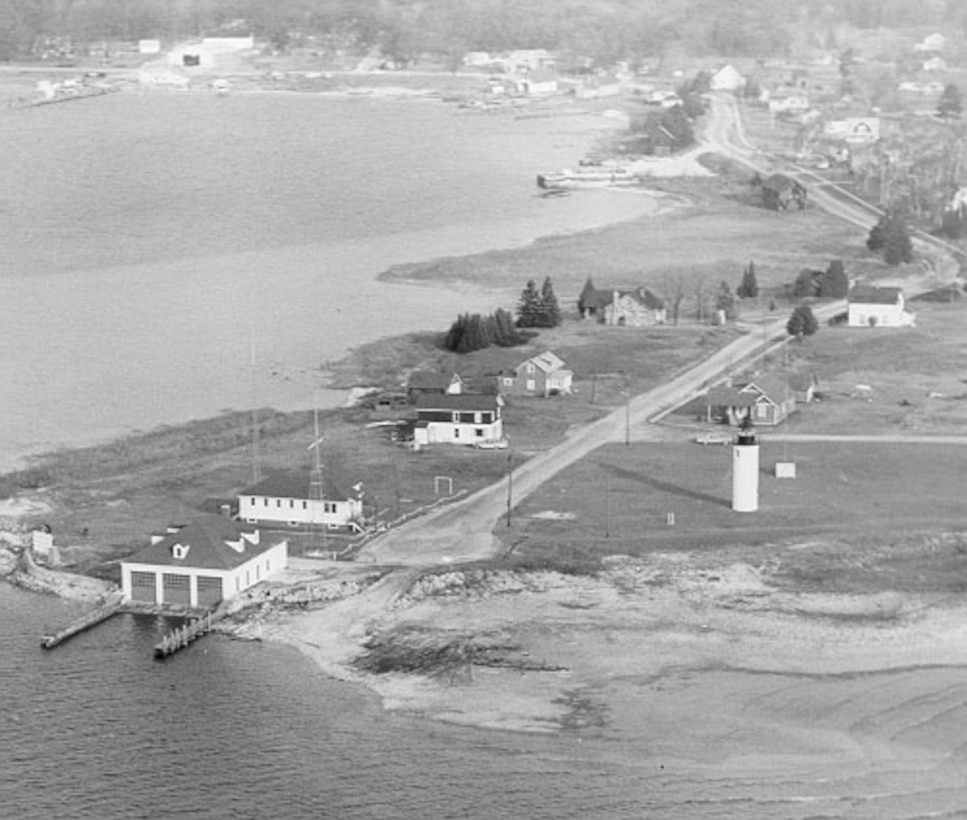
(183, 636)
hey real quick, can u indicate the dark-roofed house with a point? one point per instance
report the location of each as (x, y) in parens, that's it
(290, 498)
(877, 307)
(199, 564)
(465, 419)
(541, 375)
(428, 381)
(636, 307)
(767, 400)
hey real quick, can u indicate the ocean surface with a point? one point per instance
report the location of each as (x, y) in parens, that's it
(169, 256)
(98, 729)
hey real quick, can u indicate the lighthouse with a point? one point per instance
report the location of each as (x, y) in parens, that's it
(745, 470)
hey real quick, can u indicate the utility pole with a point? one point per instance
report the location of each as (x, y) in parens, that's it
(627, 409)
(510, 483)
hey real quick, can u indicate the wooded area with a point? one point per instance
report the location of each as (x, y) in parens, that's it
(604, 31)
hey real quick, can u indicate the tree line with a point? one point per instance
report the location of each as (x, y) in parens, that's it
(604, 32)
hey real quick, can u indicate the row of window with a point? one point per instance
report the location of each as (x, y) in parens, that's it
(327, 506)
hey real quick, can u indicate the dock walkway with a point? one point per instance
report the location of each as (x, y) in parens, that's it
(81, 624)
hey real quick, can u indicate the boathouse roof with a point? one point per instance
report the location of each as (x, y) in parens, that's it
(208, 542)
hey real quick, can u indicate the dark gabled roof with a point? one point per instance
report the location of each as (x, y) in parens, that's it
(465, 401)
(774, 388)
(208, 539)
(869, 295)
(600, 297)
(295, 484)
(429, 380)
(729, 397)
(644, 297)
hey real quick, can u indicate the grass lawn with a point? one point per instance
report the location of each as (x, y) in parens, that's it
(863, 494)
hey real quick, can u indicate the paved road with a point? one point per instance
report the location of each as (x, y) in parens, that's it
(464, 531)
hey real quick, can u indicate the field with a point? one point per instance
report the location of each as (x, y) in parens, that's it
(850, 505)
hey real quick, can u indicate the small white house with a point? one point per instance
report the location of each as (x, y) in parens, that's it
(877, 307)
(538, 82)
(726, 78)
(202, 563)
(788, 101)
(192, 56)
(149, 46)
(466, 419)
(291, 499)
(857, 130)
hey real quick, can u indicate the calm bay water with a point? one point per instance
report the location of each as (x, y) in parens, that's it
(152, 242)
(98, 729)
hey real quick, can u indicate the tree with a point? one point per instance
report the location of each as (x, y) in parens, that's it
(725, 300)
(529, 306)
(835, 282)
(673, 291)
(950, 106)
(802, 322)
(550, 310)
(891, 236)
(749, 287)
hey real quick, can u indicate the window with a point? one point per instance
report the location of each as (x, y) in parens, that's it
(530, 367)
(258, 572)
(477, 418)
(456, 433)
(455, 417)
(508, 382)
(531, 384)
(305, 505)
(761, 411)
(253, 501)
(265, 502)
(278, 502)
(478, 432)
(291, 503)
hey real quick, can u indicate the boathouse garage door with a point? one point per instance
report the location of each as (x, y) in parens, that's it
(142, 587)
(177, 589)
(209, 590)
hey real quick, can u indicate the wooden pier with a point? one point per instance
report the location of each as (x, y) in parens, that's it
(85, 622)
(181, 637)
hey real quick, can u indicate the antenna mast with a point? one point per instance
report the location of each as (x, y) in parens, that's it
(256, 466)
(317, 493)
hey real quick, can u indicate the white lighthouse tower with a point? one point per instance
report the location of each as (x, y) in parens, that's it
(745, 470)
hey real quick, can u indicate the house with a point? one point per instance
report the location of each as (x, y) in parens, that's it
(607, 85)
(463, 419)
(782, 102)
(855, 130)
(541, 375)
(202, 563)
(538, 82)
(932, 43)
(935, 64)
(427, 381)
(877, 307)
(294, 498)
(530, 59)
(149, 46)
(767, 400)
(780, 191)
(637, 307)
(726, 78)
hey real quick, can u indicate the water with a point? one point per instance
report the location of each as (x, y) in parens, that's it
(152, 242)
(98, 729)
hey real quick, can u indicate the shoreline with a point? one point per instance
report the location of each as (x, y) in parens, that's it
(296, 384)
(567, 639)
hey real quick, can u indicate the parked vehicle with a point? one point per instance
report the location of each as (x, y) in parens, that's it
(493, 444)
(714, 438)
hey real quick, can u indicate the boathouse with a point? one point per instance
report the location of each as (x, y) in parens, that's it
(199, 564)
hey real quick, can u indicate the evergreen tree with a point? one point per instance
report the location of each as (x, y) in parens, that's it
(529, 306)
(749, 287)
(950, 106)
(877, 236)
(835, 282)
(802, 322)
(505, 331)
(549, 308)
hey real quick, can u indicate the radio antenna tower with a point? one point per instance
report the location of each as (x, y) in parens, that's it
(317, 492)
(256, 465)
